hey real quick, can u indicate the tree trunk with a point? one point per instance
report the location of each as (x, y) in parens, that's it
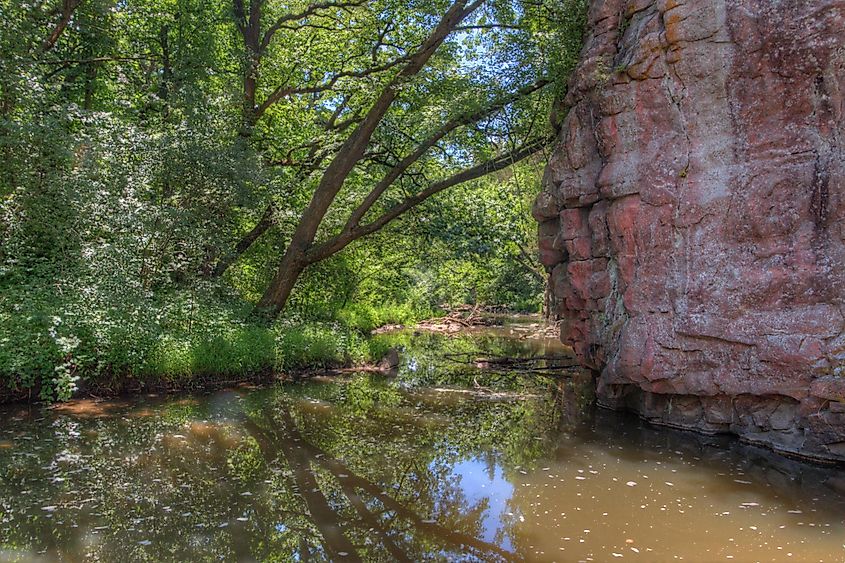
(278, 292)
(302, 251)
(90, 84)
(252, 38)
(249, 26)
(250, 79)
(335, 174)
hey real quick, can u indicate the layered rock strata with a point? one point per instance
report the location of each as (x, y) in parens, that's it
(693, 220)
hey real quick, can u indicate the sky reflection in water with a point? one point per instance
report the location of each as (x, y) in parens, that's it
(422, 467)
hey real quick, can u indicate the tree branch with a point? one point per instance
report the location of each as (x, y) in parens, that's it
(424, 146)
(283, 92)
(266, 221)
(68, 8)
(309, 11)
(334, 176)
(488, 26)
(117, 58)
(240, 16)
(340, 241)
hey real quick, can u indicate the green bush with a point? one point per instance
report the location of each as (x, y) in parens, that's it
(61, 343)
(366, 317)
(171, 359)
(319, 345)
(247, 351)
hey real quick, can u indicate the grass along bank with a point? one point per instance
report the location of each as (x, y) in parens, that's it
(47, 357)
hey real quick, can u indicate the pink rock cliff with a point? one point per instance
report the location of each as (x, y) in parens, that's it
(693, 218)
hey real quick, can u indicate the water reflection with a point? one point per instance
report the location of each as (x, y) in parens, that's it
(481, 482)
(508, 467)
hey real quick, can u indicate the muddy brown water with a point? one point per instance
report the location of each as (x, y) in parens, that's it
(446, 462)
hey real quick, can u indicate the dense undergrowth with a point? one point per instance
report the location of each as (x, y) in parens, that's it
(95, 297)
(92, 297)
(50, 358)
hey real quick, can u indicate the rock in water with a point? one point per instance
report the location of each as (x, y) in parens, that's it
(692, 218)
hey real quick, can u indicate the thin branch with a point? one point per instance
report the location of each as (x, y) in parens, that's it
(240, 16)
(489, 26)
(344, 103)
(345, 124)
(309, 11)
(530, 263)
(268, 218)
(117, 58)
(380, 42)
(473, 173)
(284, 92)
(266, 221)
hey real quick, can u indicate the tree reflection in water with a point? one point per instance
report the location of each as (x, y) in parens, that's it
(354, 469)
(406, 529)
(407, 469)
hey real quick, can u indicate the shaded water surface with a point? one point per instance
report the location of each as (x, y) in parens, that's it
(444, 462)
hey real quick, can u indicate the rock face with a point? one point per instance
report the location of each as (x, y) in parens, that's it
(693, 218)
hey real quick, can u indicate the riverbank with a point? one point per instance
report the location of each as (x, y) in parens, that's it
(207, 357)
(200, 360)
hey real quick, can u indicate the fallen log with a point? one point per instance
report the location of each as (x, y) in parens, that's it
(469, 358)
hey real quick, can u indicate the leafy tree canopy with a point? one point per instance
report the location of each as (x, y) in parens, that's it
(238, 150)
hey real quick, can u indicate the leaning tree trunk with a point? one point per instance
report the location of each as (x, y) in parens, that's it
(350, 153)
(278, 292)
(267, 220)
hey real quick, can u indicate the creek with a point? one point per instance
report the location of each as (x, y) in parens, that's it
(456, 457)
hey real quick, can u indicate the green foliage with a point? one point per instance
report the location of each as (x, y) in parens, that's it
(477, 244)
(180, 341)
(319, 345)
(244, 352)
(365, 317)
(129, 169)
(248, 351)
